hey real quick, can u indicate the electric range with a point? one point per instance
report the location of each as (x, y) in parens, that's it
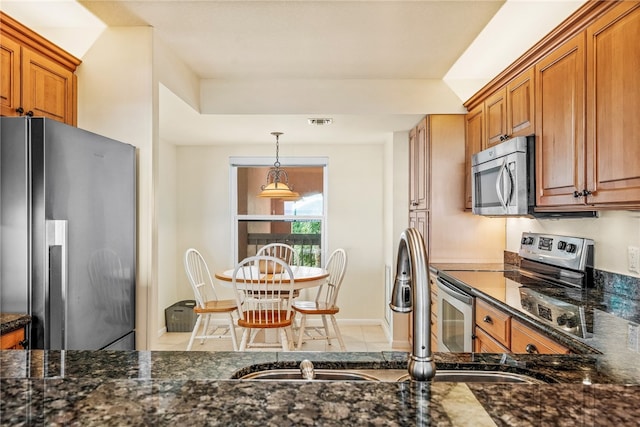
(553, 284)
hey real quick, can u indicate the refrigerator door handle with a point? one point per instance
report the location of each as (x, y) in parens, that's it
(57, 284)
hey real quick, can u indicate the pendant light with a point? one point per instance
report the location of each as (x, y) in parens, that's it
(277, 186)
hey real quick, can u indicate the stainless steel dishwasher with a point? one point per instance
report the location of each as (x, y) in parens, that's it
(455, 318)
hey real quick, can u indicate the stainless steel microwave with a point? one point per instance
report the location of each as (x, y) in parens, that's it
(502, 180)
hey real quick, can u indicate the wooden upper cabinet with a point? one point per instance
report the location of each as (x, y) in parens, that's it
(520, 104)
(419, 166)
(474, 137)
(560, 152)
(613, 106)
(495, 112)
(10, 66)
(38, 78)
(48, 89)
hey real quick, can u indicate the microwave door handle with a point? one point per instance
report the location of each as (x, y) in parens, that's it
(499, 187)
(509, 175)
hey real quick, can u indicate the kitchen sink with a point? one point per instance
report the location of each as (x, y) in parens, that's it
(391, 375)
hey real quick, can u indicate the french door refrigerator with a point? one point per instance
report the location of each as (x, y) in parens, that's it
(68, 254)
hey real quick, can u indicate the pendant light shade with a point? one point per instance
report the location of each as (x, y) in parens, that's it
(277, 186)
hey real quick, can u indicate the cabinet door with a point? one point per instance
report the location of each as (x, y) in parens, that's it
(9, 77)
(483, 343)
(494, 322)
(495, 110)
(48, 89)
(420, 221)
(560, 149)
(12, 340)
(419, 166)
(526, 340)
(613, 106)
(520, 105)
(474, 136)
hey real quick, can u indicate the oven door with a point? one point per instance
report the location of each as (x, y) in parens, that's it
(455, 319)
(499, 186)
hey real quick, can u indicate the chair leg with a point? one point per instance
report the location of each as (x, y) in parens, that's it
(303, 324)
(284, 339)
(338, 334)
(207, 318)
(245, 339)
(194, 332)
(232, 331)
(326, 329)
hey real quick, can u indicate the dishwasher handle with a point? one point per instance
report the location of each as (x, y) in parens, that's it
(457, 294)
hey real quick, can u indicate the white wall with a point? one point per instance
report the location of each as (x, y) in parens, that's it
(355, 213)
(612, 233)
(169, 272)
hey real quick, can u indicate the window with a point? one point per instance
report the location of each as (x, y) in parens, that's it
(260, 221)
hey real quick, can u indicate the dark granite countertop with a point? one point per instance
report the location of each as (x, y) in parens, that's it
(196, 388)
(12, 321)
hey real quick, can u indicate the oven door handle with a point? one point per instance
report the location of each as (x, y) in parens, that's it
(467, 299)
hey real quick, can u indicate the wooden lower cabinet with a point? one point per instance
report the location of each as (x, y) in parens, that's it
(484, 343)
(12, 340)
(497, 332)
(526, 340)
(494, 322)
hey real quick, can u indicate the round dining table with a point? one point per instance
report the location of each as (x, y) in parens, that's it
(303, 276)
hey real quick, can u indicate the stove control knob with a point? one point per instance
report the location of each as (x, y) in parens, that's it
(571, 248)
(562, 245)
(572, 321)
(527, 241)
(561, 320)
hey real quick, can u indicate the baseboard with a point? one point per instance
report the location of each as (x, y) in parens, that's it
(162, 331)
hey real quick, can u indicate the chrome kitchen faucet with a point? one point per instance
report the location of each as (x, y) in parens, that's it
(411, 292)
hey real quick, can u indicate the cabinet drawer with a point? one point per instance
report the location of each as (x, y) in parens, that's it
(493, 321)
(483, 343)
(526, 340)
(11, 340)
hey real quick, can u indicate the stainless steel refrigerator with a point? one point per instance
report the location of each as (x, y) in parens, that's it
(68, 254)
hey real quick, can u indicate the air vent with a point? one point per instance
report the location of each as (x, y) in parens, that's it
(320, 122)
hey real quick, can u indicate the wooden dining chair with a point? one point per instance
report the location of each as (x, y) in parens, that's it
(263, 285)
(325, 304)
(208, 305)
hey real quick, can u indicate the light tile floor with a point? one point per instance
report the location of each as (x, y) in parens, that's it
(356, 338)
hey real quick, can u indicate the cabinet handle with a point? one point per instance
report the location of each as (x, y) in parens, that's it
(29, 113)
(20, 110)
(531, 349)
(586, 192)
(487, 319)
(414, 203)
(24, 343)
(577, 194)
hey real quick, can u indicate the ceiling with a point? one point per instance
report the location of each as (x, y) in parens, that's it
(373, 66)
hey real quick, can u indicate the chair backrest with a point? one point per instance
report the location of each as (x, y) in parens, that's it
(278, 250)
(336, 266)
(264, 286)
(199, 277)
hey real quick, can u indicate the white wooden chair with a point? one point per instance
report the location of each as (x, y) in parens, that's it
(279, 250)
(263, 285)
(207, 303)
(284, 252)
(324, 304)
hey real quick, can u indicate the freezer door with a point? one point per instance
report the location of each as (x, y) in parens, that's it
(89, 186)
(14, 216)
